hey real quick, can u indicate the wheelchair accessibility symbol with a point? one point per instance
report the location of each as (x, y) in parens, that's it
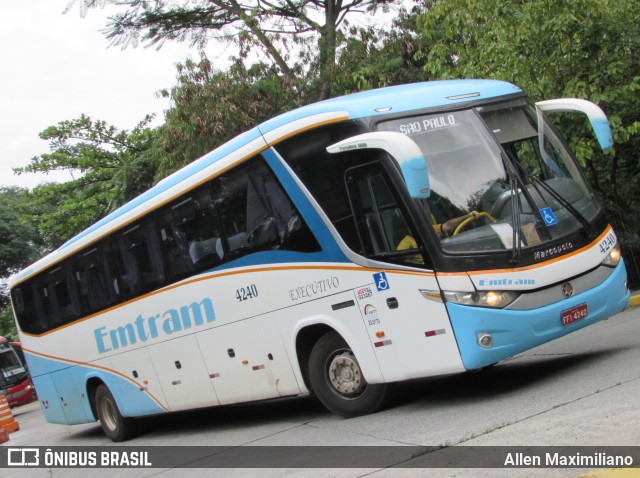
(380, 279)
(548, 216)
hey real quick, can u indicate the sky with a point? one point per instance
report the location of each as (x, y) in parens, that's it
(56, 66)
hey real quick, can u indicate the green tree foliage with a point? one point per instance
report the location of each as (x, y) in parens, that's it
(7, 325)
(110, 167)
(20, 245)
(580, 48)
(209, 107)
(374, 57)
(289, 34)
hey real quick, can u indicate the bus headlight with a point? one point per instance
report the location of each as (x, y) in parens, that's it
(489, 298)
(613, 259)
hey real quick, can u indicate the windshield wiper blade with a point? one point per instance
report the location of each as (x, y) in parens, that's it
(516, 207)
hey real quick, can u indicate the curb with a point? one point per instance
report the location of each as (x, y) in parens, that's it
(635, 299)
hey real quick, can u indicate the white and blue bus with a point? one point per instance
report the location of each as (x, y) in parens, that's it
(399, 233)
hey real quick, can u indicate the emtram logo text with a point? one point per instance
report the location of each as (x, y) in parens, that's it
(145, 328)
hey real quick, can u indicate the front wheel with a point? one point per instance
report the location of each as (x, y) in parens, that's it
(114, 425)
(337, 380)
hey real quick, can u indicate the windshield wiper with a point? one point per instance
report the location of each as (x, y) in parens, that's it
(516, 207)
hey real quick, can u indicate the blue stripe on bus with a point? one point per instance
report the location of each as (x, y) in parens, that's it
(49, 375)
(273, 257)
(39, 365)
(330, 250)
(515, 331)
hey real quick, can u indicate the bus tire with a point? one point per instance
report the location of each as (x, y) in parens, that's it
(337, 380)
(114, 425)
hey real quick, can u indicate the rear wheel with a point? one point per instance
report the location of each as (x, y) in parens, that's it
(114, 425)
(337, 380)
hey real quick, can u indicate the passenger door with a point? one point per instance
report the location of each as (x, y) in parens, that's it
(381, 221)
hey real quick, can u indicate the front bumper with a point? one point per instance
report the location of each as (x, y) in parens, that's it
(514, 331)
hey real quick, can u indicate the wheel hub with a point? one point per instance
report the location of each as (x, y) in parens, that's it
(108, 414)
(345, 374)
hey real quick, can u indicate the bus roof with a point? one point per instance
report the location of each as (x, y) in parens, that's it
(399, 99)
(396, 99)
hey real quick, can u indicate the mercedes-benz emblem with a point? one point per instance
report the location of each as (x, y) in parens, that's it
(567, 290)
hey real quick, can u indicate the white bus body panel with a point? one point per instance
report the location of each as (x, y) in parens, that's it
(183, 376)
(139, 365)
(196, 344)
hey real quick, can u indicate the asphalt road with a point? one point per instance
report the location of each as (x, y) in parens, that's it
(581, 390)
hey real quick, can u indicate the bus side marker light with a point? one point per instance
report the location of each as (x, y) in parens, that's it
(258, 367)
(429, 294)
(432, 333)
(382, 343)
(485, 340)
(379, 334)
(245, 362)
(214, 375)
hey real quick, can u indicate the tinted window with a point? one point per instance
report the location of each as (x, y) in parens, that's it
(60, 295)
(323, 173)
(243, 211)
(257, 215)
(28, 306)
(142, 258)
(97, 270)
(382, 225)
(190, 233)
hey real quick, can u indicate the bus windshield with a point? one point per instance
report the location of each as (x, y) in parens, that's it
(526, 186)
(12, 368)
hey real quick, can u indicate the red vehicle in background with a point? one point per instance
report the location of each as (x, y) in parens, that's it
(15, 381)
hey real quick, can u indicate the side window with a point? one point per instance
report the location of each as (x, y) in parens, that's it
(243, 211)
(141, 257)
(190, 233)
(323, 173)
(355, 192)
(27, 301)
(382, 226)
(48, 300)
(256, 214)
(97, 281)
(61, 295)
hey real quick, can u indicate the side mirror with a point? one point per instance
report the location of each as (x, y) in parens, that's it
(401, 148)
(597, 118)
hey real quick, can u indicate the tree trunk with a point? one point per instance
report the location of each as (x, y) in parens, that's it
(328, 49)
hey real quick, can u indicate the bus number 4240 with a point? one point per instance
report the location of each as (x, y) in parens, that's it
(246, 293)
(607, 243)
